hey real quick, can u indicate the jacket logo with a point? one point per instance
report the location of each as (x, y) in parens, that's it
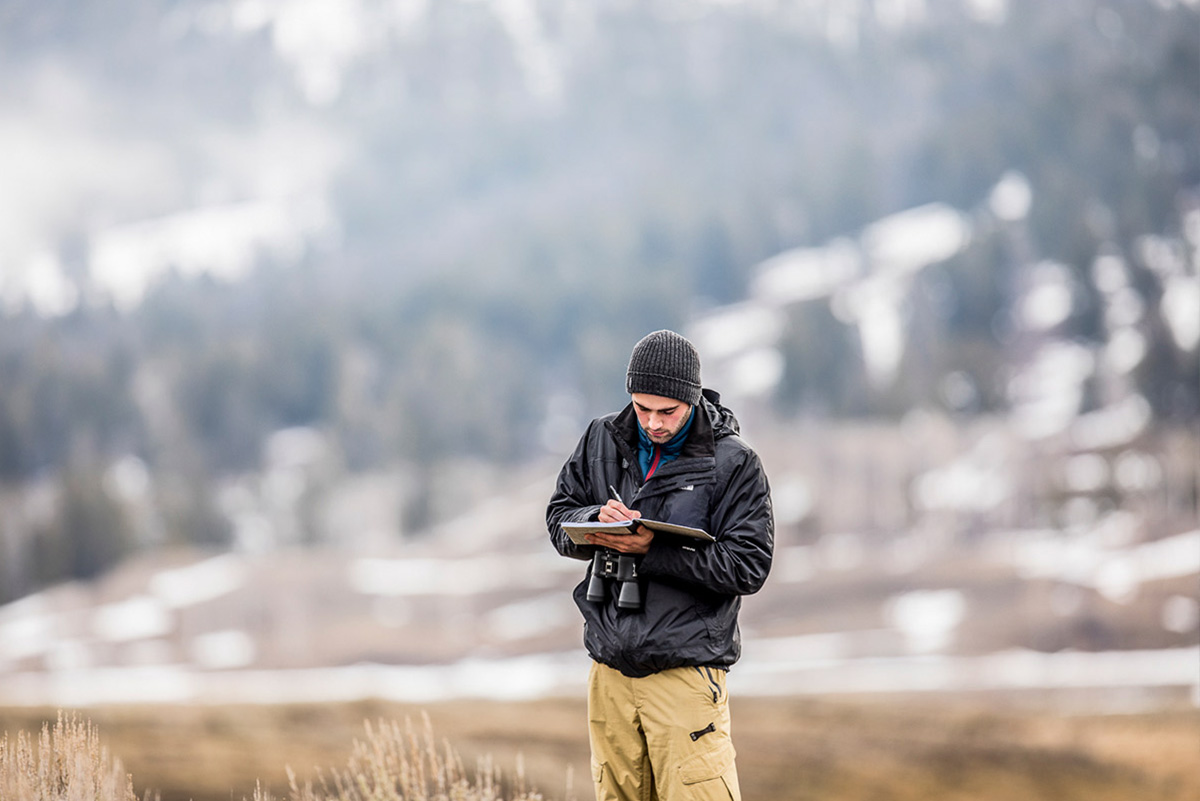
(689, 487)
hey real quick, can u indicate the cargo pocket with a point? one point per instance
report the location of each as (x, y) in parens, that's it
(711, 775)
(604, 789)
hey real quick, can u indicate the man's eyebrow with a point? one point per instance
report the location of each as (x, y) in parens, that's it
(663, 410)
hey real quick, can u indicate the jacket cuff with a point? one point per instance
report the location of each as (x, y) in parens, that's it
(657, 560)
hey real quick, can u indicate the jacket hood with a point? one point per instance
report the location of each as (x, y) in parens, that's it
(721, 419)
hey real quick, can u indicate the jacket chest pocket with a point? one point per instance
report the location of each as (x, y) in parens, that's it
(686, 504)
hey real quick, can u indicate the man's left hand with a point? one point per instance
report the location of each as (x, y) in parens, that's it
(636, 542)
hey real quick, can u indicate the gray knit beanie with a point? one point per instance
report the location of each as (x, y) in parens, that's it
(664, 363)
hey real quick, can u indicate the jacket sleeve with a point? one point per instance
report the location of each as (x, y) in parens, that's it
(744, 526)
(572, 500)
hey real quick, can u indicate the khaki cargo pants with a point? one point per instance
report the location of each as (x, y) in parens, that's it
(664, 737)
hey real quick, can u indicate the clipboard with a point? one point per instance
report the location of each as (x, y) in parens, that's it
(578, 531)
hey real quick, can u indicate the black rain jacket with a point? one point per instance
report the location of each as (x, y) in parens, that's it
(691, 591)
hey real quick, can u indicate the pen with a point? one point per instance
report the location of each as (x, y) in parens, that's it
(616, 495)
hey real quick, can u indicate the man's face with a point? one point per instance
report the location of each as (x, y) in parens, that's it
(661, 418)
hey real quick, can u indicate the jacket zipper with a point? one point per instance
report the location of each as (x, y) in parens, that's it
(654, 462)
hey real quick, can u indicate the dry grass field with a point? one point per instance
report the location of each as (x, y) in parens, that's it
(813, 749)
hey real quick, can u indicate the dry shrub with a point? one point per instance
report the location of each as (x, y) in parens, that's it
(395, 763)
(66, 763)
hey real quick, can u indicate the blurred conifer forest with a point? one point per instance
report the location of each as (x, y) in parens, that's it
(421, 230)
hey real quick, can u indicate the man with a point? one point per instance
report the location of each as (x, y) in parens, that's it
(657, 707)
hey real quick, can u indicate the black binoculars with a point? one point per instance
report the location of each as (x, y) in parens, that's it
(620, 566)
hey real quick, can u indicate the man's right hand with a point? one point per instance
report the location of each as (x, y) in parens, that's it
(614, 511)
